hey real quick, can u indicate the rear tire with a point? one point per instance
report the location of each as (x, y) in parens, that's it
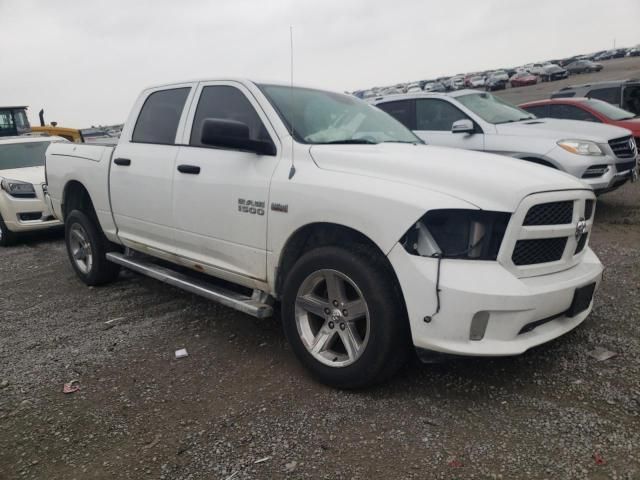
(344, 316)
(7, 237)
(87, 248)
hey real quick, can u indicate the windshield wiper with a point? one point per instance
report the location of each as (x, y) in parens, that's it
(415, 142)
(347, 141)
(516, 120)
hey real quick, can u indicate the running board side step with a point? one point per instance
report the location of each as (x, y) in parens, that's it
(249, 305)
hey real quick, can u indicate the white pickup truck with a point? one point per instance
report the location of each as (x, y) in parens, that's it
(370, 240)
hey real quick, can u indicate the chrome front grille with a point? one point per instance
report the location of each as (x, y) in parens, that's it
(548, 232)
(624, 147)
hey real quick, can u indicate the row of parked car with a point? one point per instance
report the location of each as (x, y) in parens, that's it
(529, 74)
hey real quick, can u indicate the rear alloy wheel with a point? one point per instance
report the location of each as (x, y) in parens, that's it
(344, 316)
(87, 248)
(80, 248)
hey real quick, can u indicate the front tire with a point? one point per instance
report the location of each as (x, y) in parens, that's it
(7, 237)
(344, 317)
(87, 248)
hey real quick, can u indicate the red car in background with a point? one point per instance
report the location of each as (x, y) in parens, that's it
(522, 79)
(585, 109)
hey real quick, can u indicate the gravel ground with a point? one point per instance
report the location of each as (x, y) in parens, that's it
(240, 406)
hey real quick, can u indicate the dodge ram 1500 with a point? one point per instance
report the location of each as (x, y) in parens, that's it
(371, 241)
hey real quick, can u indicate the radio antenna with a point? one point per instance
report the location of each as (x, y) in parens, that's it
(292, 172)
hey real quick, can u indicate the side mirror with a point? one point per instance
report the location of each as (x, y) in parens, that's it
(463, 126)
(219, 132)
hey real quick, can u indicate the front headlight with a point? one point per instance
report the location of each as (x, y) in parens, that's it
(581, 147)
(453, 233)
(19, 189)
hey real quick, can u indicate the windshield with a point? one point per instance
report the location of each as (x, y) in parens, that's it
(21, 155)
(493, 110)
(609, 111)
(321, 117)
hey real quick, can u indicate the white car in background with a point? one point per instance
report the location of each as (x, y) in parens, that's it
(500, 75)
(22, 179)
(602, 156)
(477, 81)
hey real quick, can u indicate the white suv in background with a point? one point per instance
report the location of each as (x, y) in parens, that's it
(597, 154)
(22, 180)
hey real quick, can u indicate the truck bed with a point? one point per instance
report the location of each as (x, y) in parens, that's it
(87, 164)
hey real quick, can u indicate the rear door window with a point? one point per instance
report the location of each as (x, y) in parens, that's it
(401, 110)
(609, 94)
(438, 115)
(159, 117)
(631, 99)
(571, 112)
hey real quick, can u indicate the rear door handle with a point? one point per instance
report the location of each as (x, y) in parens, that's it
(125, 162)
(191, 169)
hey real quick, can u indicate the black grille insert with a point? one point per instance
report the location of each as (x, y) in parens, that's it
(582, 241)
(28, 216)
(588, 209)
(543, 250)
(623, 147)
(624, 166)
(595, 171)
(553, 213)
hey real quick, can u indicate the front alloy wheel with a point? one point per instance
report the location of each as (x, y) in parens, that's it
(332, 318)
(344, 316)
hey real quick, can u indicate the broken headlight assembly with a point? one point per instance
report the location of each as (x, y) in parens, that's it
(18, 189)
(454, 233)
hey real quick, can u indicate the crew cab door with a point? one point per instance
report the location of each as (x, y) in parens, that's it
(221, 196)
(434, 120)
(142, 169)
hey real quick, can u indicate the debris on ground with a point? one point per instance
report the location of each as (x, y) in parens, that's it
(262, 460)
(601, 354)
(597, 457)
(181, 353)
(71, 387)
(291, 466)
(153, 442)
(4, 384)
(112, 323)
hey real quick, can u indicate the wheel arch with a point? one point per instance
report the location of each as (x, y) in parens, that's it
(320, 234)
(75, 196)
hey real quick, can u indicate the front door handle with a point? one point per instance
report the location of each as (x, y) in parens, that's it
(125, 162)
(191, 169)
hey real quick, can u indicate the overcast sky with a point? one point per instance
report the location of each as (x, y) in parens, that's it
(85, 61)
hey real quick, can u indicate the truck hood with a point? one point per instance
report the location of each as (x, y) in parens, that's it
(556, 129)
(489, 182)
(33, 175)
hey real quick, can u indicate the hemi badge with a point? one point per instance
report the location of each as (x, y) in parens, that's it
(280, 207)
